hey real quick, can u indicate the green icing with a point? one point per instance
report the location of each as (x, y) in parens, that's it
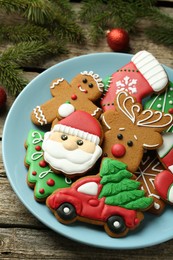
(110, 166)
(124, 197)
(114, 188)
(140, 204)
(106, 82)
(119, 189)
(44, 179)
(116, 177)
(162, 102)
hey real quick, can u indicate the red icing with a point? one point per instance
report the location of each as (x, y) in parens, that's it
(90, 206)
(74, 97)
(82, 120)
(129, 70)
(170, 110)
(168, 159)
(38, 148)
(41, 191)
(43, 163)
(50, 182)
(118, 150)
(34, 173)
(162, 183)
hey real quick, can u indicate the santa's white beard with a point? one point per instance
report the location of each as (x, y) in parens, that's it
(69, 162)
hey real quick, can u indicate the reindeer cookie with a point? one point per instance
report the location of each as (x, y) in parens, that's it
(130, 130)
(141, 77)
(82, 92)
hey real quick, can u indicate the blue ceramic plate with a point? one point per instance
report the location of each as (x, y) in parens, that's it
(153, 230)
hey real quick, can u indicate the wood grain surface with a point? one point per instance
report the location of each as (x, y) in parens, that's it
(22, 236)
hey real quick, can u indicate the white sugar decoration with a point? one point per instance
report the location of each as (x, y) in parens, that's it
(66, 109)
(159, 106)
(127, 84)
(96, 77)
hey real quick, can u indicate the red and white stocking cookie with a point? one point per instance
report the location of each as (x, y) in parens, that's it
(141, 77)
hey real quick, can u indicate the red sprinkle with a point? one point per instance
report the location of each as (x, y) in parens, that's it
(34, 173)
(50, 182)
(41, 191)
(74, 97)
(43, 163)
(170, 110)
(38, 148)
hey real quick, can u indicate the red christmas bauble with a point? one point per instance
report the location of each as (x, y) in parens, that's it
(118, 39)
(3, 97)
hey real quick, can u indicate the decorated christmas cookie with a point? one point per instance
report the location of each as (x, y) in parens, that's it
(149, 168)
(84, 89)
(111, 199)
(141, 77)
(72, 147)
(40, 177)
(130, 130)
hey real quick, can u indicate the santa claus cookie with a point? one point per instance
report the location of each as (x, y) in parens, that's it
(146, 173)
(72, 147)
(40, 177)
(82, 92)
(141, 77)
(130, 130)
(112, 199)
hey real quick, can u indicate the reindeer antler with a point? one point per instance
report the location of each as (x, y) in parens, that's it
(154, 119)
(129, 111)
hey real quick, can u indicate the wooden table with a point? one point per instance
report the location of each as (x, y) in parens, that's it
(22, 236)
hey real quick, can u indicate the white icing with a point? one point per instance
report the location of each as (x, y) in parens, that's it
(76, 132)
(96, 77)
(66, 109)
(106, 124)
(170, 194)
(127, 84)
(171, 168)
(95, 111)
(151, 69)
(167, 144)
(39, 115)
(151, 123)
(35, 139)
(45, 173)
(35, 156)
(55, 83)
(90, 188)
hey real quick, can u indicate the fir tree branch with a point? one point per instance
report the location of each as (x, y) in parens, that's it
(160, 35)
(25, 53)
(23, 32)
(12, 78)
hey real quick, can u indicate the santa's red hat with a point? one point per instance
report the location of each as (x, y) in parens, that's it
(80, 123)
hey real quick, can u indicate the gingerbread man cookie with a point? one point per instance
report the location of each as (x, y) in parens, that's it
(130, 130)
(40, 177)
(83, 91)
(141, 77)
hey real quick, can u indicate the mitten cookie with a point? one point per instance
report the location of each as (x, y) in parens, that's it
(72, 147)
(141, 77)
(111, 199)
(146, 173)
(83, 91)
(40, 177)
(130, 130)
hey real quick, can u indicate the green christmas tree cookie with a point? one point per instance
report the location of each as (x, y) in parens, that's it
(119, 189)
(162, 102)
(40, 177)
